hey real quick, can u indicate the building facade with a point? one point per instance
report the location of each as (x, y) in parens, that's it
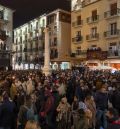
(95, 32)
(59, 23)
(6, 30)
(28, 47)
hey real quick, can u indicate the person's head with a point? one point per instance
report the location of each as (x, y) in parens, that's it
(103, 88)
(75, 98)
(112, 113)
(89, 98)
(64, 100)
(33, 98)
(32, 125)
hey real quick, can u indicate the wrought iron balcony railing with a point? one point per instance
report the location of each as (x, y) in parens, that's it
(92, 37)
(93, 19)
(112, 13)
(112, 33)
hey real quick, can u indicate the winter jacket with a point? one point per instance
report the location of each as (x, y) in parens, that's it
(101, 100)
(116, 99)
(7, 114)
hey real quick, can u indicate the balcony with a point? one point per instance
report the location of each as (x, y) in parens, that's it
(36, 30)
(24, 41)
(30, 40)
(93, 19)
(54, 44)
(35, 49)
(81, 53)
(53, 56)
(92, 37)
(19, 51)
(113, 54)
(111, 14)
(30, 50)
(77, 23)
(35, 38)
(112, 34)
(25, 32)
(77, 39)
(25, 50)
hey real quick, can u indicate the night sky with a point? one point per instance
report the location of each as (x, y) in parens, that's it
(26, 10)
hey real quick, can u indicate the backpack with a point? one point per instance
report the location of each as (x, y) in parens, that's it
(30, 113)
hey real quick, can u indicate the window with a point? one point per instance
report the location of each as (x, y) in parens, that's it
(31, 27)
(94, 15)
(78, 51)
(16, 48)
(20, 47)
(16, 41)
(20, 32)
(113, 28)
(113, 50)
(79, 20)
(94, 31)
(26, 29)
(36, 25)
(55, 41)
(43, 22)
(113, 9)
(21, 39)
(78, 33)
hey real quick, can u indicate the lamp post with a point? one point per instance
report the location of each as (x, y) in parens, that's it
(47, 68)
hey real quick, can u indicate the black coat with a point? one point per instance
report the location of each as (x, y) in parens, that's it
(101, 100)
(7, 114)
(115, 99)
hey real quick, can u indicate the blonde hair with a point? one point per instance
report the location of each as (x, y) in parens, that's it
(32, 125)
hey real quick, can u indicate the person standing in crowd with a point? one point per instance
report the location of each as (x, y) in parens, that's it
(101, 99)
(32, 125)
(26, 113)
(81, 122)
(63, 117)
(48, 108)
(13, 90)
(90, 104)
(115, 99)
(29, 86)
(8, 114)
(75, 107)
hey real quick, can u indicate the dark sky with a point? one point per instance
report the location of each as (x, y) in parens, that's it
(29, 9)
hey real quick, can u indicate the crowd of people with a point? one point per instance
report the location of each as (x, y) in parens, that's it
(66, 99)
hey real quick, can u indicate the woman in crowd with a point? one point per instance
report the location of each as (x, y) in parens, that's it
(90, 104)
(32, 125)
(63, 117)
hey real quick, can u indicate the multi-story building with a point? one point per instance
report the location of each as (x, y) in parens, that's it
(59, 23)
(6, 30)
(28, 47)
(95, 31)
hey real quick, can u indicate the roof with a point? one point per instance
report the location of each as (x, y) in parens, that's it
(4, 6)
(58, 10)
